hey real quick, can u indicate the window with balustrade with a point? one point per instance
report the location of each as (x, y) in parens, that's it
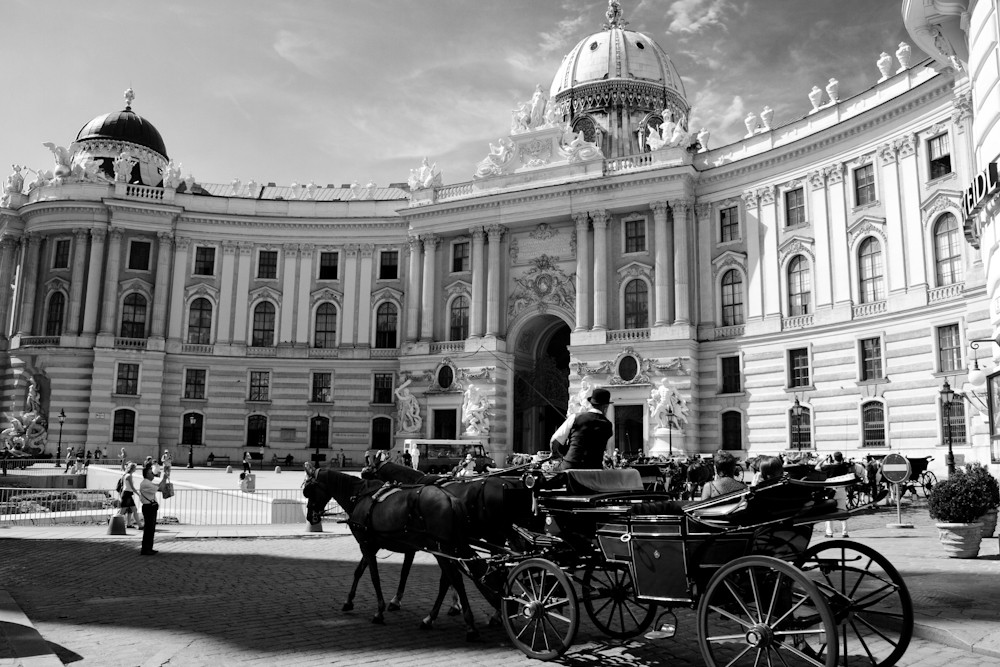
(732, 298)
(325, 332)
(948, 241)
(200, 322)
(133, 323)
(262, 335)
(636, 306)
(799, 287)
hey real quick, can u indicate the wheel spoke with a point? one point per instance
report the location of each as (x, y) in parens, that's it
(738, 599)
(730, 616)
(864, 644)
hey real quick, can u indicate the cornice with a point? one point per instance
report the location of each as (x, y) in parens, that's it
(275, 223)
(143, 208)
(29, 211)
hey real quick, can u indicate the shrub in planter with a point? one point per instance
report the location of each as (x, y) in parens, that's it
(990, 489)
(957, 503)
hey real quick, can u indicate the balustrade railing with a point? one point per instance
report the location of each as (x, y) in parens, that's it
(797, 322)
(324, 352)
(130, 343)
(869, 309)
(196, 348)
(625, 335)
(448, 346)
(384, 353)
(945, 293)
(253, 351)
(729, 332)
(38, 341)
(143, 192)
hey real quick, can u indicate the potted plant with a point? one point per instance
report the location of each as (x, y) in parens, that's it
(957, 503)
(990, 489)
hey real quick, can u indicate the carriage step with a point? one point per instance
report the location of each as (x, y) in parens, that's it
(537, 539)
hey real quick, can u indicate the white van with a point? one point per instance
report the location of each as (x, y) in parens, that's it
(441, 456)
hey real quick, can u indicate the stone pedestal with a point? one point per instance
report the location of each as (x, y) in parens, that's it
(664, 440)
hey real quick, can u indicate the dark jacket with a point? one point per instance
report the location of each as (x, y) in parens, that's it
(587, 440)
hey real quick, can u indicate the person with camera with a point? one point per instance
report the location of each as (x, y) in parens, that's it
(147, 496)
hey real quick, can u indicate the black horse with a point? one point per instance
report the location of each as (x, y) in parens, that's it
(402, 519)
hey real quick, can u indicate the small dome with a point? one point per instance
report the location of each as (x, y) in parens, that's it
(125, 125)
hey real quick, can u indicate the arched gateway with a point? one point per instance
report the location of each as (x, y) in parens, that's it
(541, 380)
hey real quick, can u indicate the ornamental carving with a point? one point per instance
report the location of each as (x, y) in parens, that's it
(938, 205)
(572, 243)
(766, 195)
(367, 250)
(454, 387)
(487, 373)
(513, 249)
(387, 294)
(703, 211)
(749, 198)
(535, 153)
(794, 247)
(326, 295)
(543, 231)
(201, 290)
(866, 227)
(679, 365)
(906, 145)
(459, 287)
(729, 260)
(545, 285)
(817, 179)
(834, 173)
(963, 110)
(246, 248)
(635, 270)
(638, 378)
(265, 293)
(887, 153)
(582, 369)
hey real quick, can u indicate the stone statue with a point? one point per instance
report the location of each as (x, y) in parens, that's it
(667, 409)
(408, 410)
(884, 64)
(832, 89)
(668, 125)
(520, 118)
(123, 165)
(426, 176)
(766, 114)
(42, 178)
(578, 402)
(703, 139)
(537, 108)
(494, 163)
(815, 97)
(13, 185)
(172, 175)
(189, 183)
(474, 412)
(751, 124)
(236, 184)
(553, 117)
(29, 432)
(63, 158)
(903, 56)
(578, 148)
(653, 138)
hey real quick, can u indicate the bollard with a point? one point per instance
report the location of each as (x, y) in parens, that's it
(229, 469)
(277, 469)
(116, 525)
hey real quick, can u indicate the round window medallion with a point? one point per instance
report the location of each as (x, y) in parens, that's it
(640, 45)
(628, 368)
(445, 377)
(593, 47)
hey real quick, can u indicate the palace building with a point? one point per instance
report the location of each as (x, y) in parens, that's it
(809, 287)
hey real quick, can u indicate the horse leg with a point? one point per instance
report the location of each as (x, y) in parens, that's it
(403, 575)
(471, 633)
(456, 605)
(428, 621)
(358, 571)
(369, 553)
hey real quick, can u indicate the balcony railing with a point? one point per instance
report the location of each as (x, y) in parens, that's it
(448, 346)
(254, 351)
(130, 343)
(144, 192)
(384, 353)
(324, 352)
(626, 335)
(729, 332)
(39, 341)
(797, 322)
(628, 163)
(197, 348)
(869, 309)
(945, 293)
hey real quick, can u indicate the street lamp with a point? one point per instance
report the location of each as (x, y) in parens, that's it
(191, 438)
(61, 418)
(670, 430)
(317, 423)
(797, 414)
(947, 396)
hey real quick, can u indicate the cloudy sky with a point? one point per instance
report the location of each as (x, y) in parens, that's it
(342, 90)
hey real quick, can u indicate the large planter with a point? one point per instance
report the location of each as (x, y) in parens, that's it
(960, 540)
(989, 521)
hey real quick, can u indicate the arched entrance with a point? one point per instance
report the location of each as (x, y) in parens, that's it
(541, 382)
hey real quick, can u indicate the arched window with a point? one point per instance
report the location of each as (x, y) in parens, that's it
(385, 326)
(458, 319)
(123, 426)
(263, 325)
(326, 326)
(870, 271)
(732, 298)
(732, 430)
(256, 431)
(134, 316)
(948, 251)
(382, 433)
(800, 428)
(799, 286)
(54, 314)
(319, 432)
(636, 305)
(873, 424)
(200, 322)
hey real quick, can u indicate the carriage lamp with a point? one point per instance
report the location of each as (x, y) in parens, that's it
(947, 396)
(62, 419)
(797, 414)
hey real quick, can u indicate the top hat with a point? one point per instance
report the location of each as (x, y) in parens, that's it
(601, 397)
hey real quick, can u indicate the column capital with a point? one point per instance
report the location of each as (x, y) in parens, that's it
(600, 218)
(291, 250)
(495, 232)
(367, 250)
(431, 241)
(478, 235)
(180, 242)
(246, 248)
(659, 208)
(230, 247)
(703, 210)
(351, 249)
(414, 243)
(887, 153)
(582, 220)
(817, 179)
(681, 206)
(116, 234)
(80, 233)
(834, 173)
(7, 242)
(906, 145)
(766, 195)
(306, 249)
(749, 198)
(166, 239)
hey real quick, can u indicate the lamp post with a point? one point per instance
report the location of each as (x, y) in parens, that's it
(193, 422)
(947, 396)
(797, 414)
(670, 430)
(61, 418)
(317, 422)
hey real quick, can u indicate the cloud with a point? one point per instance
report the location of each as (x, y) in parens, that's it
(312, 56)
(559, 39)
(690, 16)
(722, 117)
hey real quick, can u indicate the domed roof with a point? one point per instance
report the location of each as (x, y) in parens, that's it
(125, 125)
(616, 53)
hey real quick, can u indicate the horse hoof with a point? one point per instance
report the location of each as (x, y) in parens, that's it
(348, 606)
(426, 625)
(378, 620)
(393, 606)
(454, 611)
(472, 636)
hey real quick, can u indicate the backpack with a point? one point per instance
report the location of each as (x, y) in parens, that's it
(120, 485)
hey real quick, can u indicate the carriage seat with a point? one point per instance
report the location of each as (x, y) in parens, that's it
(762, 505)
(585, 482)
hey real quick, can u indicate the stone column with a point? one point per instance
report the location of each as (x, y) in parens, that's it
(909, 193)
(413, 293)
(753, 287)
(164, 253)
(109, 307)
(347, 336)
(476, 324)
(600, 219)
(8, 254)
(431, 242)
(662, 276)
(365, 295)
(240, 319)
(822, 275)
(770, 269)
(495, 234)
(71, 326)
(175, 331)
(839, 249)
(29, 279)
(682, 280)
(703, 249)
(584, 271)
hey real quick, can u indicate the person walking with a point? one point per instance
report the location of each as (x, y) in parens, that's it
(725, 477)
(150, 506)
(122, 460)
(69, 460)
(247, 461)
(580, 442)
(834, 466)
(129, 493)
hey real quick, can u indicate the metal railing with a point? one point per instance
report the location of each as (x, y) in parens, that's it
(191, 507)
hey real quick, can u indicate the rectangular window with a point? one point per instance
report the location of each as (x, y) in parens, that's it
(939, 150)
(328, 265)
(127, 382)
(871, 359)
(204, 261)
(635, 236)
(138, 255)
(388, 265)
(60, 259)
(955, 422)
(194, 383)
(795, 207)
(260, 386)
(949, 348)
(798, 367)
(864, 185)
(729, 224)
(382, 393)
(267, 265)
(731, 383)
(322, 388)
(460, 257)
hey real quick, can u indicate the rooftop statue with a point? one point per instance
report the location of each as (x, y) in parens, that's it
(576, 148)
(63, 159)
(533, 114)
(13, 185)
(884, 64)
(171, 175)
(494, 163)
(426, 176)
(123, 165)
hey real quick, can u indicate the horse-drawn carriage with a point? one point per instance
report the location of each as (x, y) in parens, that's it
(762, 594)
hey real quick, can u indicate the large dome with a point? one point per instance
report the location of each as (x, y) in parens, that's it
(125, 125)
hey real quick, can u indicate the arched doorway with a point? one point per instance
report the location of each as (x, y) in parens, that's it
(541, 382)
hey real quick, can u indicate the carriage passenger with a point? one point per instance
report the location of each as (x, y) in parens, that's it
(834, 466)
(725, 477)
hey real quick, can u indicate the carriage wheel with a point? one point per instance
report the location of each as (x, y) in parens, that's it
(609, 598)
(869, 600)
(927, 482)
(858, 496)
(539, 609)
(759, 610)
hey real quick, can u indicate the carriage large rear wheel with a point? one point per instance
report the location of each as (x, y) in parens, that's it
(539, 609)
(759, 610)
(609, 598)
(868, 598)
(926, 481)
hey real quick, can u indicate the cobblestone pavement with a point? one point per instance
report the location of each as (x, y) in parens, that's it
(278, 602)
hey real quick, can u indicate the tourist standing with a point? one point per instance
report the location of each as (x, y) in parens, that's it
(129, 493)
(246, 462)
(834, 466)
(150, 506)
